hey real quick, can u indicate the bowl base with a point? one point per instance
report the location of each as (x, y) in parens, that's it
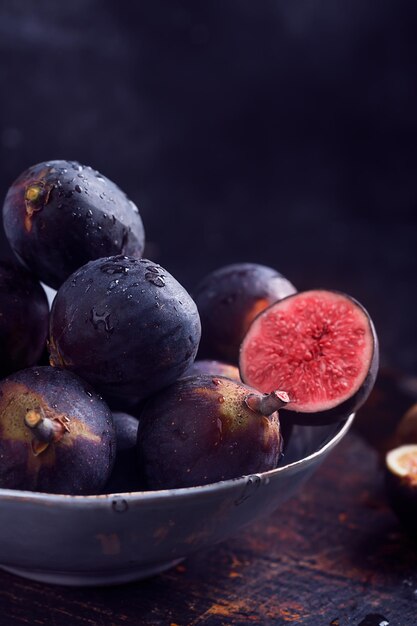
(92, 579)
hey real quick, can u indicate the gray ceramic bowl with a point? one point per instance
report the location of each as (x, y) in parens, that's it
(109, 539)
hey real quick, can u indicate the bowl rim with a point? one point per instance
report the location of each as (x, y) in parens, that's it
(184, 492)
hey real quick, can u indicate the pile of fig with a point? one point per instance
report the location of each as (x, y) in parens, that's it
(123, 404)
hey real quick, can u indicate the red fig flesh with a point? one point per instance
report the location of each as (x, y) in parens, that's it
(321, 347)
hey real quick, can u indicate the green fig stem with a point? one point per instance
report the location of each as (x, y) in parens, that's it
(45, 429)
(267, 403)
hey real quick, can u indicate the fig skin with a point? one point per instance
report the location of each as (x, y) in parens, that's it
(342, 409)
(406, 431)
(207, 367)
(125, 475)
(201, 430)
(228, 299)
(24, 317)
(59, 215)
(126, 326)
(78, 457)
(381, 421)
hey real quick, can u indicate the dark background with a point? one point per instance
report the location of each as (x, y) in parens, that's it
(277, 132)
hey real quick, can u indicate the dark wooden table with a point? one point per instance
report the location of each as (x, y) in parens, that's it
(334, 555)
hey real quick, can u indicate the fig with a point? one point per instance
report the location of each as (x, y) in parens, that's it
(321, 347)
(56, 433)
(229, 299)
(24, 315)
(406, 431)
(378, 420)
(125, 325)
(205, 367)
(203, 429)
(125, 475)
(401, 483)
(59, 215)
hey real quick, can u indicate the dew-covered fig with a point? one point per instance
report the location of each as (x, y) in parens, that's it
(204, 429)
(24, 315)
(229, 299)
(206, 367)
(321, 347)
(401, 483)
(59, 215)
(56, 433)
(125, 325)
(125, 475)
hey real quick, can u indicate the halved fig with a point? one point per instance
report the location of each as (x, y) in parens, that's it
(402, 462)
(320, 347)
(401, 482)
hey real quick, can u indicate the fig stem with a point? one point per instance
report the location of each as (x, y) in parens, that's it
(267, 403)
(45, 429)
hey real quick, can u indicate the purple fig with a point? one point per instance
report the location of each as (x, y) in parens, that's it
(126, 326)
(56, 433)
(205, 367)
(125, 475)
(229, 299)
(60, 215)
(204, 429)
(24, 315)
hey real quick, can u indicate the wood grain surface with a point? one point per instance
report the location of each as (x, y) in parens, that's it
(335, 555)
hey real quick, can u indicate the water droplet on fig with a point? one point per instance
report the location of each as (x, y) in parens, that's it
(156, 280)
(220, 426)
(101, 320)
(113, 284)
(113, 268)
